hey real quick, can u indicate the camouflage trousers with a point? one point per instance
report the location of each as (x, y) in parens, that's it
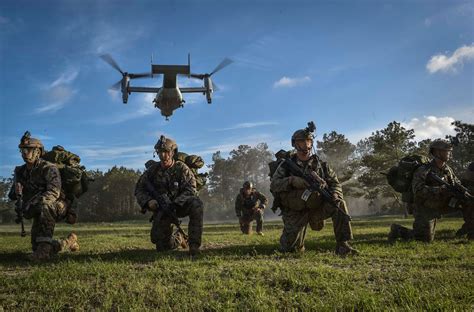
(44, 218)
(248, 217)
(162, 230)
(424, 225)
(295, 223)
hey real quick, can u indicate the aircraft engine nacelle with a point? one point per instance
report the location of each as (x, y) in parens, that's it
(208, 86)
(125, 86)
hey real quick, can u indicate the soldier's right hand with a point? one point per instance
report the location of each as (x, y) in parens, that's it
(153, 205)
(18, 189)
(298, 183)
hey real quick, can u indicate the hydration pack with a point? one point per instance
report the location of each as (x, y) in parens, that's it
(400, 176)
(74, 179)
(194, 162)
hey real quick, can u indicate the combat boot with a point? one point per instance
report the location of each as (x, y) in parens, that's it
(194, 251)
(42, 253)
(461, 232)
(70, 243)
(343, 249)
(394, 233)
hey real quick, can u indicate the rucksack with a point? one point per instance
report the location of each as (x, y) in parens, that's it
(194, 162)
(74, 179)
(400, 176)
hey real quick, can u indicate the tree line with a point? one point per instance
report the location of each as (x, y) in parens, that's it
(358, 166)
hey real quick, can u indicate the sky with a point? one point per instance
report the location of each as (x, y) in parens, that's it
(349, 66)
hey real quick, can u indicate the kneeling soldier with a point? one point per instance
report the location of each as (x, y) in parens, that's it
(249, 206)
(168, 189)
(37, 190)
(437, 191)
(301, 203)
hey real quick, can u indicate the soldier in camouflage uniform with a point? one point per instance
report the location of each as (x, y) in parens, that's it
(174, 180)
(298, 213)
(432, 199)
(249, 206)
(38, 184)
(467, 180)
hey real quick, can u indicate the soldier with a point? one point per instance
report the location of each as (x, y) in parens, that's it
(298, 212)
(249, 206)
(467, 180)
(432, 198)
(175, 184)
(37, 185)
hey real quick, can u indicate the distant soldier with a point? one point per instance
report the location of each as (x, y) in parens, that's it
(249, 206)
(300, 206)
(37, 190)
(437, 191)
(168, 189)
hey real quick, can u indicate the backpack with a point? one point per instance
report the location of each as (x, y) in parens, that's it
(194, 162)
(74, 179)
(400, 176)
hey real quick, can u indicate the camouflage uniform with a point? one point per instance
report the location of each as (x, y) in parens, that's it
(249, 208)
(179, 184)
(431, 201)
(467, 180)
(297, 213)
(43, 202)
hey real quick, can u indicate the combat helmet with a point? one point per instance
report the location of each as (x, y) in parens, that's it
(247, 185)
(303, 134)
(27, 141)
(166, 144)
(440, 144)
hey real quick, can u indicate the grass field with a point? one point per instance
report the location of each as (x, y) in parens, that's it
(117, 268)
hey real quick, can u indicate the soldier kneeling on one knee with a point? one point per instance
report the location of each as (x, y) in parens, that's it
(168, 189)
(301, 204)
(249, 206)
(437, 191)
(37, 190)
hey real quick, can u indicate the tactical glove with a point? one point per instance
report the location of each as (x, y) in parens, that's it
(298, 183)
(153, 205)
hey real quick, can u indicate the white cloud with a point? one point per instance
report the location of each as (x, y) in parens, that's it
(445, 63)
(58, 93)
(430, 127)
(247, 125)
(99, 152)
(291, 82)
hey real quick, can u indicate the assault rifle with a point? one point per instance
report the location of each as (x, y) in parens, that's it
(164, 208)
(316, 184)
(457, 189)
(19, 213)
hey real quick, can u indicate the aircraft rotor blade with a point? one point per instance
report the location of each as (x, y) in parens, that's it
(116, 86)
(215, 87)
(141, 75)
(197, 76)
(109, 60)
(225, 62)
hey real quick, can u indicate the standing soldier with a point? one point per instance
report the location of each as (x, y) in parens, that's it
(300, 205)
(249, 206)
(37, 190)
(437, 191)
(168, 189)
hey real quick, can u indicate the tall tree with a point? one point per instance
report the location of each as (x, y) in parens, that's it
(382, 150)
(463, 152)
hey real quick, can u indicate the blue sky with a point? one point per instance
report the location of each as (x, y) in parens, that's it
(350, 66)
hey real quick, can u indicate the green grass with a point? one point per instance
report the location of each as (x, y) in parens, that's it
(117, 268)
